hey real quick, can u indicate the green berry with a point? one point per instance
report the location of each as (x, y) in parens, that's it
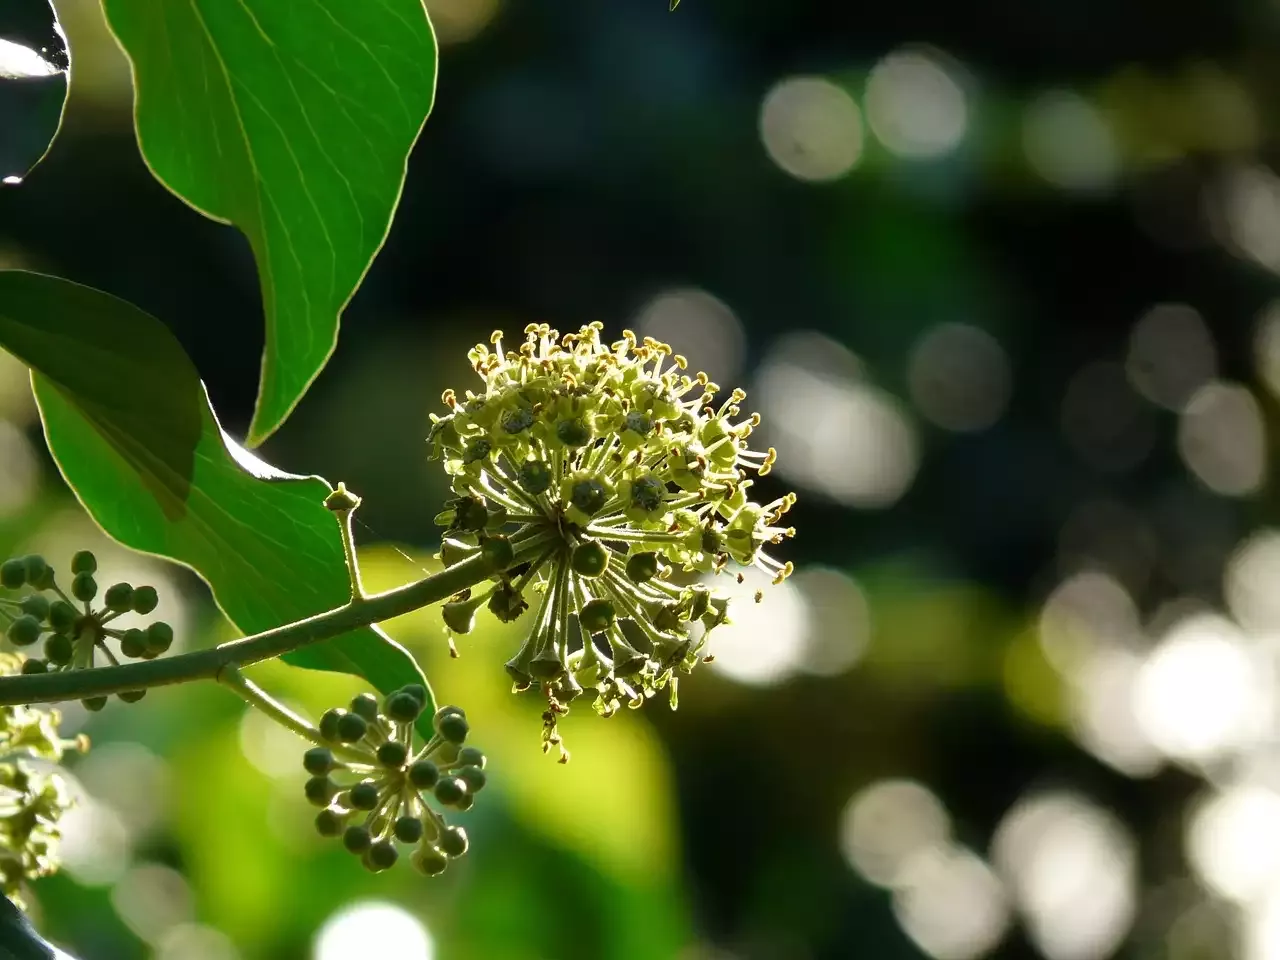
(383, 855)
(393, 754)
(31, 665)
(58, 649)
(642, 567)
(352, 727)
(588, 495)
(535, 476)
(320, 791)
(356, 838)
(466, 803)
(450, 790)
(424, 774)
(474, 778)
(472, 757)
(37, 605)
(454, 841)
(597, 615)
(418, 692)
(83, 587)
(13, 574)
(24, 631)
(366, 705)
(119, 597)
(590, 559)
(364, 795)
(37, 568)
(145, 599)
(431, 862)
(159, 637)
(408, 829)
(132, 696)
(94, 704)
(62, 616)
(133, 643)
(573, 433)
(403, 707)
(329, 823)
(453, 727)
(329, 723)
(318, 761)
(498, 551)
(84, 562)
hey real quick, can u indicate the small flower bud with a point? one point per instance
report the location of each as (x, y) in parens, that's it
(590, 559)
(393, 754)
(403, 707)
(424, 774)
(535, 476)
(84, 562)
(58, 649)
(159, 637)
(320, 790)
(383, 855)
(364, 795)
(119, 597)
(329, 823)
(498, 551)
(131, 696)
(472, 757)
(94, 704)
(13, 574)
(473, 777)
(36, 605)
(506, 603)
(418, 692)
(366, 705)
(24, 631)
(352, 727)
(341, 499)
(62, 616)
(356, 838)
(453, 841)
(430, 862)
(133, 643)
(83, 587)
(318, 761)
(31, 665)
(597, 615)
(450, 790)
(328, 725)
(37, 569)
(408, 829)
(452, 726)
(642, 567)
(145, 600)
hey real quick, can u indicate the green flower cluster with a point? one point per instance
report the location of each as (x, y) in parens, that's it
(611, 467)
(388, 802)
(33, 792)
(73, 631)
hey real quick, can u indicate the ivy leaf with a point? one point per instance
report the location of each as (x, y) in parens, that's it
(33, 84)
(293, 121)
(131, 429)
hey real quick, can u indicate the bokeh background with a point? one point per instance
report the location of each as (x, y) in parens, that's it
(1001, 278)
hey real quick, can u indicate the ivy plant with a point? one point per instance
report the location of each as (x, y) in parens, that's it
(597, 484)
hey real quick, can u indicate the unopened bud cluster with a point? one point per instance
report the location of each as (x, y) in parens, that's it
(67, 628)
(33, 793)
(392, 790)
(611, 468)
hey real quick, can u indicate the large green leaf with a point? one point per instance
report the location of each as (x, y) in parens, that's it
(292, 119)
(130, 426)
(33, 84)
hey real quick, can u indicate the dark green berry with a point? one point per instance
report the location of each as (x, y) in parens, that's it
(364, 795)
(453, 841)
(84, 562)
(352, 727)
(642, 567)
(318, 761)
(132, 696)
(13, 574)
(83, 587)
(597, 615)
(408, 829)
(366, 705)
(590, 559)
(119, 597)
(159, 637)
(37, 569)
(62, 616)
(31, 665)
(58, 649)
(453, 727)
(329, 823)
(535, 476)
(393, 754)
(431, 862)
(24, 631)
(418, 692)
(589, 496)
(424, 774)
(329, 723)
(573, 433)
(94, 704)
(450, 790)
(383, 855)
(474, 778)
(37, 605)
(145, 599)
(403, 707)
(320, 791)
(506, 603)
(356, 838)
(133, 643)
(466, 803)
(472, 757)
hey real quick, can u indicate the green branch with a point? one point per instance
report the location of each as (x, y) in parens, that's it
(208, 664)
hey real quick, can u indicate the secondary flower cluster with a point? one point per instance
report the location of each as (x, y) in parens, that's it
(33, 793)
(604, 467)
(72, 629)
(388, 802)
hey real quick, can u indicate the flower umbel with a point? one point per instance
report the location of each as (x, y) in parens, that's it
(623, 469)
(391, 800)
